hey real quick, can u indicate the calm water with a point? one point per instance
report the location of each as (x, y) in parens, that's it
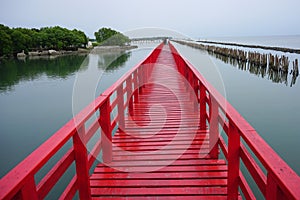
(290, 41)
(36, 98)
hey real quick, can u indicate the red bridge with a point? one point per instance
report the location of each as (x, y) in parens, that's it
(159, 128)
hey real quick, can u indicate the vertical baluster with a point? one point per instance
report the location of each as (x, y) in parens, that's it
(129, 92)
(81, 162)
(120, 96)
(196, 89)
(106, 136)
(202, 107)
(213, 128)
(233, 161)
(29, 189)
(136, 89)
(272, 190)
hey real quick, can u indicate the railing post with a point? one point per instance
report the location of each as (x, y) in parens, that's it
(120, 96)
(233, 161)
(135, 83)
(129, 92)
(29, 190)
(213, 128)
(272, 189)
(202, 107)
(106, 137)
(81, 162)
(195, 90)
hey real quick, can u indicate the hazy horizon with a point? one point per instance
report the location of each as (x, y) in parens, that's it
(191, 18)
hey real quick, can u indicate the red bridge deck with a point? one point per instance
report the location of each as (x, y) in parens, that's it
(152, 157)
(167, 144)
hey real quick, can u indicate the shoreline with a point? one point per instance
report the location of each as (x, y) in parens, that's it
(33, 55)
(283, 49)
(100, 49)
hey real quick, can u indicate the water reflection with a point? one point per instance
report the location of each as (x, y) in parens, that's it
(110, 61)
(14, 71)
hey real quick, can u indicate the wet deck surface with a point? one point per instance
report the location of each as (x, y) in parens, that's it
(162, 153)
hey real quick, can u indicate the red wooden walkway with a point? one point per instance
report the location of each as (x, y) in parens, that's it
(160, 160)
(167, 144)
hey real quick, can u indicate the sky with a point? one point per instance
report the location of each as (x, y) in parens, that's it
(192, 18)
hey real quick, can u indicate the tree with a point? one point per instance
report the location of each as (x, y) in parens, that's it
(18, 39)
(107, 36)
(5, 41)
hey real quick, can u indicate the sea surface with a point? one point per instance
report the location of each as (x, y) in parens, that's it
(289, 41)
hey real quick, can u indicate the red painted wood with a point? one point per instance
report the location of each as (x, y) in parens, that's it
(81, 163)
(213, 129)
(191, 197)
(55, 173)
(254, 169)
(70, 190)
(29, 190)
(233, 162)
(163, 176)
(106, 137)
(160, 183)
(158, 191)
(178, 162)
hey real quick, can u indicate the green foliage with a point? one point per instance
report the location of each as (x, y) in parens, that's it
(18, 39)
(5, 41)
(108, 37)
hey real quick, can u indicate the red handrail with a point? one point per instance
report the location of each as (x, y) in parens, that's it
(20, 182)
(279, 182)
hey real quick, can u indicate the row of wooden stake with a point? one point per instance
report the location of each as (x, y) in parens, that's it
(275, 62)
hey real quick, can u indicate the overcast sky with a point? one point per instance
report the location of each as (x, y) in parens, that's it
(193, 18)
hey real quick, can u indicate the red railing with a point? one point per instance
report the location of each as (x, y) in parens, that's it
(20, 182)
(244, 144)
(274, 178)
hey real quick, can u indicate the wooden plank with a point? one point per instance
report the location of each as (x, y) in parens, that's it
(185, 197)
(158, 191)
(164, 163)
(160, 183)
(166, 169)
(157, 175)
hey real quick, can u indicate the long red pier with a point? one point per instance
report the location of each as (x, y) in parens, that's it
(158, 137)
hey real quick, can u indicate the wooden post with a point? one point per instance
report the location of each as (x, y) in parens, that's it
(120, 97)
(136, 85)
(29, 190)
(81, 162)
(129, 92)
(106, 137)
(202, 107)
(213, 128)
(233, 162)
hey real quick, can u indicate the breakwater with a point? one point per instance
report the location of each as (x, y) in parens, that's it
(277, 67)
(283, 49)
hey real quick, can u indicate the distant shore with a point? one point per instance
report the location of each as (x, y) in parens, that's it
(81, 51)
(99, 49)
(283, 49)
